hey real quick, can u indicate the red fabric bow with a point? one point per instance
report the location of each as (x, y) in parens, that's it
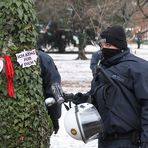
(9, 72)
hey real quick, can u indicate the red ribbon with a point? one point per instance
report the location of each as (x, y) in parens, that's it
(9, 72)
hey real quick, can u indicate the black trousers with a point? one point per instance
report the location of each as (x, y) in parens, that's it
(120, 143)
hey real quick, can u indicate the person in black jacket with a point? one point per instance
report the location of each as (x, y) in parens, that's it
(120, 93)
(50, 76)
(95, 58)
(138, 39)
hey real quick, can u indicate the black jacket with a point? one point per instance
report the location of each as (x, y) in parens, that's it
(123, 101)
(50, 75)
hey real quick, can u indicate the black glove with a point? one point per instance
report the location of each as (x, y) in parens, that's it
(68, 97)
(77, 98)
(55, 126)
(80, 98)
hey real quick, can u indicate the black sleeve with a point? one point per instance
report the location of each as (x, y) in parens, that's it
(55, 111)
(141, 92)
(50, 75)
(144, 121)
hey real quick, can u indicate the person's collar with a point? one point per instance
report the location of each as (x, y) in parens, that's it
(115, 59)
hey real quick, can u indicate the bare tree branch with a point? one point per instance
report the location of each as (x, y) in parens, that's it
(141, 7)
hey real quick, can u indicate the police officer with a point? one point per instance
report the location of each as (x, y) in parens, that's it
(120, 93)
(50, 75)
(95, 58)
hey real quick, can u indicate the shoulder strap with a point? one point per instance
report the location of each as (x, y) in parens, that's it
(119, 84)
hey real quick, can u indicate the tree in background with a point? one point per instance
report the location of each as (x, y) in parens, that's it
(143, 7)
(96, 14)
(93, 12)
(23, 117)
(53, 10)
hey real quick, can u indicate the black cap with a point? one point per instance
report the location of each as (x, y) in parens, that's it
(116, 36)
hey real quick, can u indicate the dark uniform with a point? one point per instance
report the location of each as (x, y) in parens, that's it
(120, 93)
(50, 75)
(123, 103)
(96, 56)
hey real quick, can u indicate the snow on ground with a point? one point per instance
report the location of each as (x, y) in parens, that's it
(76, 77)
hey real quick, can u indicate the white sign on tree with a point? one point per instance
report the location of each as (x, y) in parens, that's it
(27, 58)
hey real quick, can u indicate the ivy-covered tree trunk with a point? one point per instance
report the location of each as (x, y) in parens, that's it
(24, 122)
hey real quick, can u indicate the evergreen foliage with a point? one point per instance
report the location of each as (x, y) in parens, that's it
(24, 122)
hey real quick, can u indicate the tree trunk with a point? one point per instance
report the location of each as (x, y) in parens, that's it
(24, 122)
(81, 55)
(82, 45)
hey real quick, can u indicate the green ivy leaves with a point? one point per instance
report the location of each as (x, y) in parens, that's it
(17, 21)
(24, 122)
